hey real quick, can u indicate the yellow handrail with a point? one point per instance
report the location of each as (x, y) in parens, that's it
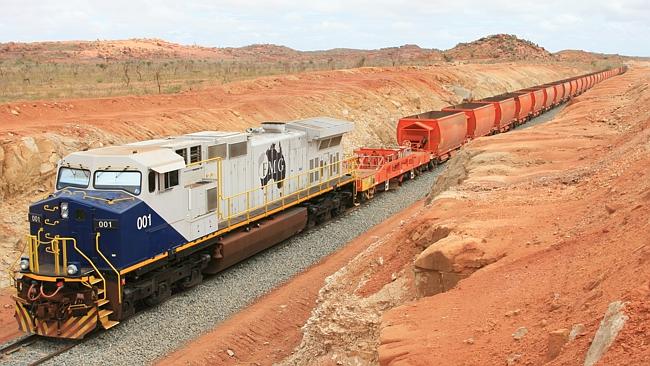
(74, 243)
(349, 163)
(119, 279)
(35, 241)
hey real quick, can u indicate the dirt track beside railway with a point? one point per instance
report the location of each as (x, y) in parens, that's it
(34, 135)
(548, 224)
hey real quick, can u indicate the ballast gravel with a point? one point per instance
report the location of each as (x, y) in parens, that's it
(154, 332)
(157, 331)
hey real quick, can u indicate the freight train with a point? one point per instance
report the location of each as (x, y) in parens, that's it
(126, 226)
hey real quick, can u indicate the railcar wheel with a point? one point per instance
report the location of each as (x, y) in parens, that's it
(387, 185)
(412, 174)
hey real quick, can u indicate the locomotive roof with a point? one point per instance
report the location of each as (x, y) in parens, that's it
(321, 127)
(160, 155)
(152, 156)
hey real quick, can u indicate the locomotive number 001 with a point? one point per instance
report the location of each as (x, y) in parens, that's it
(106, 224)
(144, 222)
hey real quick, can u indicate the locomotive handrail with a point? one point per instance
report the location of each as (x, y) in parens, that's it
(340, 164)
(119, 277)
(74, 243)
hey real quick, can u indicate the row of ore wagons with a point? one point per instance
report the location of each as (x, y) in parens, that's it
(441, 132)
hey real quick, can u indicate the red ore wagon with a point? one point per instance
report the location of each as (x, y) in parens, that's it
(438, 132)
(574, 87)
(523, 105)
(505, 108)
(538, 98)
(480, 118)
(550, 95)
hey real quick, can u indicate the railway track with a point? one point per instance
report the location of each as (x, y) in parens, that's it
(33, 350)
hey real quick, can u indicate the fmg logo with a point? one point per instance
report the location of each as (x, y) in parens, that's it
(272, 166)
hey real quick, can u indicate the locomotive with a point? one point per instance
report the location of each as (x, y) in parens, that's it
(128, 225)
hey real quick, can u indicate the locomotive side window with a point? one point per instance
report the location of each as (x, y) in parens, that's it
(237, 149)
(170, 179)
(124, 180)
(195, 154)
(324, 144)
(183, 153)
(152, 181)
(217, 151)
(70, 177)
(336, 141)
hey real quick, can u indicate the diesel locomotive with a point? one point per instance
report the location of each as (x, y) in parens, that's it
(127, 225)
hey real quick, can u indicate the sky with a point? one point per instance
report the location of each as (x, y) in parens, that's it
(609, 26)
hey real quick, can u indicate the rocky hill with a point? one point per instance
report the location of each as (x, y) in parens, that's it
(499, 46)
(145, 49)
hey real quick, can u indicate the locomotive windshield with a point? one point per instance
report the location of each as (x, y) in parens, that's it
(71, 177)
(124, 180)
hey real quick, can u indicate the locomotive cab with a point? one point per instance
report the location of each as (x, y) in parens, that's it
(95, 224)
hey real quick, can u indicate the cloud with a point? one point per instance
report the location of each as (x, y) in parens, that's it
(600, 25)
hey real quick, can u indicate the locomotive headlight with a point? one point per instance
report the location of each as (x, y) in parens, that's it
(24, 264)
(72, 269)
(64, 210)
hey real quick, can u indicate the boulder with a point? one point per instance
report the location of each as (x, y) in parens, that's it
(451, 254)
(612, 323)
(556, 340)
(447, 261)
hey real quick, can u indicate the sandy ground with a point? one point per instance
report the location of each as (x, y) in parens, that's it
(559, 213)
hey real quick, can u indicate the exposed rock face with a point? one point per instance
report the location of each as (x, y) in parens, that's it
(444, 263)
(344, 327)
(611, 324)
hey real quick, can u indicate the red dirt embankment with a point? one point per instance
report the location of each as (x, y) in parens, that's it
(565, 206)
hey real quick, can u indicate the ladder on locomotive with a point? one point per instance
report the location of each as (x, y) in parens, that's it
(103, 303)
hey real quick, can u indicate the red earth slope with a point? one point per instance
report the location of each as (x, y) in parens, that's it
(565, 206)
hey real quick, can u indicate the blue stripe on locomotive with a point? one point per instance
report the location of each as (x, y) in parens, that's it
(129, 243)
